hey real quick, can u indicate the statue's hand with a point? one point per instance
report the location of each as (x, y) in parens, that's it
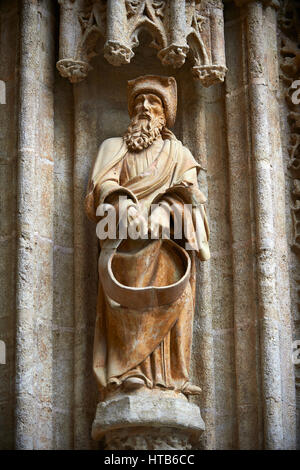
(136, 220)
(159, 222)
(132, 212)
(127, 209)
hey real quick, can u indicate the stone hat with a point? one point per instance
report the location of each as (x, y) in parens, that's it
(164, 87)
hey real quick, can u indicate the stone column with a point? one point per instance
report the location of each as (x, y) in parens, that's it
(85, 266)
(33, 411)
(177, 16)
(195, 135)
(264, 155)
(247, 368)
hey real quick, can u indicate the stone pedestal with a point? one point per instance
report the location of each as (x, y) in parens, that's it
(147, 420)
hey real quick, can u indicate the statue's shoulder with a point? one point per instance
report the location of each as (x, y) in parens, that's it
(186, 153)
(176, 142)
(111, 144)
(108, 151)
(186, 150)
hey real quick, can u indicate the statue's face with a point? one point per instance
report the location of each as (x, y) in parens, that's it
(147, 122)
(148, 106)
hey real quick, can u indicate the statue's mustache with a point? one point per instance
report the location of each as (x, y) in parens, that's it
(138, 121)
(144, 115)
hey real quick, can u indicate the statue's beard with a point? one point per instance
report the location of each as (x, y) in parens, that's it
(142, 132)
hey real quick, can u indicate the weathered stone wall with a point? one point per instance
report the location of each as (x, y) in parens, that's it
(237, 132)
(262, 323)
(9, 50)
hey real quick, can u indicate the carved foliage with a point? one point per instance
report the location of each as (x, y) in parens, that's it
(200, 32)
(178, 28)
(290, 66)
(289, 20)
(147, 439)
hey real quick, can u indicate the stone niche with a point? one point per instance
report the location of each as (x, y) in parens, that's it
(101, 106)
(100, 112)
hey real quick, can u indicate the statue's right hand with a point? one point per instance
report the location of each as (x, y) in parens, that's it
(128, 210)
(132, 212)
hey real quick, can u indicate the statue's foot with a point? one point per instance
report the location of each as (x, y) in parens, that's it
(191, 390)
(133, 383)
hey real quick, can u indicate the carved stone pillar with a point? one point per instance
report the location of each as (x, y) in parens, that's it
(148, 420)
(265, 153)
(270, 353)
(34, 301)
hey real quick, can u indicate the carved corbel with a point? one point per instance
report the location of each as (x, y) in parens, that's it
(176, 51)
(117, 49)
(206, 40)
(71, 63)
(179, 28)
(267, 3)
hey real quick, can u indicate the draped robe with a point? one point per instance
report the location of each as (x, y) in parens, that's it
(153, 343)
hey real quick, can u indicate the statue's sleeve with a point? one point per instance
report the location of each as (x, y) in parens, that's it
(187, 191)
(106, 191)
(105, 176)
(199, 216)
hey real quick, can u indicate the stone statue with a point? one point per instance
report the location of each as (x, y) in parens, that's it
(146, 296)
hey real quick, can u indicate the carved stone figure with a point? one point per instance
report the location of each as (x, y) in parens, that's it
(146, 297)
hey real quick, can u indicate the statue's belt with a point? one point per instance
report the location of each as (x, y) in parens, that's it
(140, 297)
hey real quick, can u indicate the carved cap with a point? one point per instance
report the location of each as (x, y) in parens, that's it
(164, 87)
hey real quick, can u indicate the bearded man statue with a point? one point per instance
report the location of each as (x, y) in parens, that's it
(146, 297)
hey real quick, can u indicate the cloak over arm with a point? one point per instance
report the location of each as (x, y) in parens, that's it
(105, 175)
(185, 188)
(188, 177)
